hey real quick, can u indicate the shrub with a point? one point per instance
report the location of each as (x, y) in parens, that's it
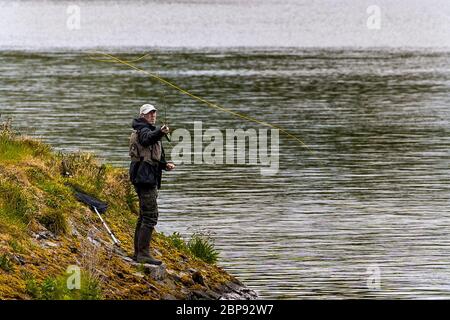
(37, 175)
(83, 172)
(14, 147)
(55, 288)
(14, 205)
(16, 246)
(202, 247)
(5, 262)
(39, 149)
(54, 221)
(31, 287)
(11, 150)
(131, 198)
(177, 241)
(90, 289)
(48, 289)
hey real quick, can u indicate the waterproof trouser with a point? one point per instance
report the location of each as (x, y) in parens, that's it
(148, 212)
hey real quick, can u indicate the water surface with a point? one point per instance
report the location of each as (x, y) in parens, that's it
(373, 194)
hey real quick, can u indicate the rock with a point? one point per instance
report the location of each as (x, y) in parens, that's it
(197, 277)
(184, 257)
(19, 259)
(139, 275)
(43, 235)
(233, 286)
(72, 230)
(173, 275)
(203, 295)
(152, 287)
(169, 285)
(127, 259)
(93, 241)
(118, 250)
(73, 250)
(234, 291)
(213, 295)
(186, 279)
(198, 295)
(49, 244)
(156, 272)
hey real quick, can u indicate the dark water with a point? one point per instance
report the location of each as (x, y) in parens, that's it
(374, 193)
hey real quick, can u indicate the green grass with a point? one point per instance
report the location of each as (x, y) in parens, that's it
(37, 175)
(14, 149)
(11, 150)
(56, 288)
(57, 199)
(54, 188)
(177, 241)
(5, 262)
(16, 208)
(16, 246)
(54, 220)
(38, 148)
(31, 286)
(14, 204)
(202, 247)
(131, 198)
(84, 173)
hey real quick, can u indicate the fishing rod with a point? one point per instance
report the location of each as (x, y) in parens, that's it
(166, 122)
(114, 59)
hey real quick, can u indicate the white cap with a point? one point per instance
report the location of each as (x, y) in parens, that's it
(146, 108)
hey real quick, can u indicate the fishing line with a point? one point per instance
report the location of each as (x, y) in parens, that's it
(208, 103)
(128, 61)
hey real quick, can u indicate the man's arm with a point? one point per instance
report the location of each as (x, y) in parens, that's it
(148, 137)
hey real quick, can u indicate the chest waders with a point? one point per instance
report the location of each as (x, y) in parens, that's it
(148, 215)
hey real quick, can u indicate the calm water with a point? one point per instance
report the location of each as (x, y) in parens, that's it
(223, 23)
(374, 194)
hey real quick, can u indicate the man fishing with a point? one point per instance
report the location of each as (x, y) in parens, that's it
(147, 163)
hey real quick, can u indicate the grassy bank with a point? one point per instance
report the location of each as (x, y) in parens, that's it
(45, 233)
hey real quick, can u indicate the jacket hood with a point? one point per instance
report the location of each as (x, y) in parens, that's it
(140, 123)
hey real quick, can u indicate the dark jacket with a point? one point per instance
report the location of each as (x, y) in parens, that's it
(141, 172)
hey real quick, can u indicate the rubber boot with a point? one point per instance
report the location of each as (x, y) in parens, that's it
(145, 237)
(136, 242)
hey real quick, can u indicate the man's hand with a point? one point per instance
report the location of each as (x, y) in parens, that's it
(170, 166)
(165, 129)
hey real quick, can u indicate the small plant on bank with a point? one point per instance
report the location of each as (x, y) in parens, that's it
(83, 172)
(177, 241)
(5, 262)
(14, 203)
(31, 286)
(55, 288)
(16, 246)
(48, 289)
(131, 197)
(55, 221)
(14, 146)
(202, 247)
